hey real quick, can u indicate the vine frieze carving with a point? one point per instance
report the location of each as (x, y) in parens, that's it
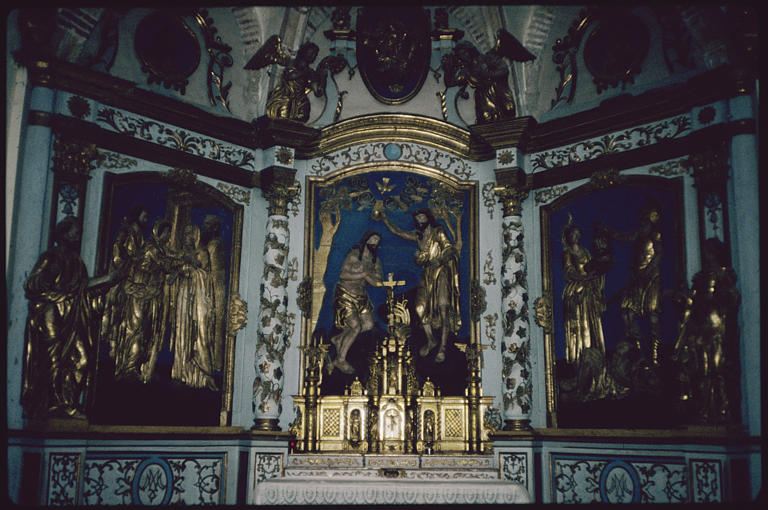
(178, 139)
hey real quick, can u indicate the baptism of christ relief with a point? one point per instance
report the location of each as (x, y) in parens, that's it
(410, 227)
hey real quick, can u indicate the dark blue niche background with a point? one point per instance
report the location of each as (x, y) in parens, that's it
(397, 257)
(619, 209)
(161, 401)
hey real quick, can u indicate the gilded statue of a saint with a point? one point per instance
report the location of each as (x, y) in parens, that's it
(214, 244)
(58, 353)
(125, 252)
(642, 294)
(352, 308)
(583, 301)
(144, 308)
(156, 253)
(437, 293)
(704, 346)
(288, 100)
(192, 315)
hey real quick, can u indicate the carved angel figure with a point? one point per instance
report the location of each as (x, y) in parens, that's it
(288, 100)
(487, 74)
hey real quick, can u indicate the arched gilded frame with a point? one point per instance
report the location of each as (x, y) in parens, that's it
(339, 212)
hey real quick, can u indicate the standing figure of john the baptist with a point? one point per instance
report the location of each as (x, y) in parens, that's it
(642, 294)
(352, 308)
(437, 293)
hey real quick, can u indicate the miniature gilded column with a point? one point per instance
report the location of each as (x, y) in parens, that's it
(515, 345)
(274, 325)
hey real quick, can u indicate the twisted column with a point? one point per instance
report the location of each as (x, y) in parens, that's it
(516, 368)
(274, 324)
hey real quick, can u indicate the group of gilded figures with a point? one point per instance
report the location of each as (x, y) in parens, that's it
(437, 292)
(159, 292)
(154, 294)
(708, 312)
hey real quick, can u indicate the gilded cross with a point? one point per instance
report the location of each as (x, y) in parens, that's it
(390, 283)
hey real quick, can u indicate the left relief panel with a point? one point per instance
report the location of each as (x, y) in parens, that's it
(169, 247)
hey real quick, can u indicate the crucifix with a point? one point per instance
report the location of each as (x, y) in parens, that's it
(390, 283)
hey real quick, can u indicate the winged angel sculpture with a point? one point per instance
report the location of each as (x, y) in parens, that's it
(288, 100)
(487, 74)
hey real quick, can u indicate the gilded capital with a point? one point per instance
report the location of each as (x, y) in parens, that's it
(278, 187)
(74, 158)
(511, 188)
(511, 198)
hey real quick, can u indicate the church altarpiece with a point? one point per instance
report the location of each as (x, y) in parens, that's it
(393, 387)
(395, 365)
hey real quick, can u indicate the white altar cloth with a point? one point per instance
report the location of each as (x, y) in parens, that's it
(304, 491)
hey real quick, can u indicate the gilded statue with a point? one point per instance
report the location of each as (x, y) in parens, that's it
(156, 255)
(706, 337)
(192, 315)
(583, 306)
(288, 100)
(352, 308)
(583, 302)
(144, 308)
(486, 73)
(125, 251)
(642, 294)
(59, 348)
(214, 244)
(437, 293)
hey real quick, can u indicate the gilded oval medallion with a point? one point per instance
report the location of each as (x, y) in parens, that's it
(393, 51)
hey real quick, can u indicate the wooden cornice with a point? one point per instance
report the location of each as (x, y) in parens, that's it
(477, 143)
(661, 151)
(127, 95)
(131, 146)
(625, 111)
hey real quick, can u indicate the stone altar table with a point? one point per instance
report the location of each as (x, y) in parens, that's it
(389, 479)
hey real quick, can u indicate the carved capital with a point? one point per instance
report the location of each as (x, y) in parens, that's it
(511, 188)
(710, 167)
(74, 159)
(278, 187)
(511, 199)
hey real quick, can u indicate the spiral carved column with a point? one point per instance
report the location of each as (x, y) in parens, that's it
(516, 368)
(274, 324)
